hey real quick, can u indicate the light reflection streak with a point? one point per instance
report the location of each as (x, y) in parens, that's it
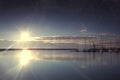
(84, 59)
(9, 71)
(9, 47)
(25, 57)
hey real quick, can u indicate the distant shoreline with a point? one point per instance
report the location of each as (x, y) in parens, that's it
(67, 49)
(15, 49)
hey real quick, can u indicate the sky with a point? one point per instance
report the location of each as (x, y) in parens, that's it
(58, 17)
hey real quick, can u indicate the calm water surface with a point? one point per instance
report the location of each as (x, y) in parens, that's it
(59, 65)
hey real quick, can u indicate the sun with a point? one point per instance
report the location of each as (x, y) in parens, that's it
(25, 36)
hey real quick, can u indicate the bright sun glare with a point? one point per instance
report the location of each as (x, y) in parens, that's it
(25, 36)
(25, 57)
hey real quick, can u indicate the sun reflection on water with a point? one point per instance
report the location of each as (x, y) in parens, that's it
(25, 57)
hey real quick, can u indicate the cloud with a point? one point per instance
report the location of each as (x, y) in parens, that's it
(107, 34)
(2, 39)
(63, 39)
(83, 30)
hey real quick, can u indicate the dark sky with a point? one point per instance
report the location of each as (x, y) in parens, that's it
(58, 17)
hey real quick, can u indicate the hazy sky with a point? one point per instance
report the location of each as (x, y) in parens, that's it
(58, 17)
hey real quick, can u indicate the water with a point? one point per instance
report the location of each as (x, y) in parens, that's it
(59, 65)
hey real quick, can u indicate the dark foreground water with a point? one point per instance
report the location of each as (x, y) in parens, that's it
(59, 65)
